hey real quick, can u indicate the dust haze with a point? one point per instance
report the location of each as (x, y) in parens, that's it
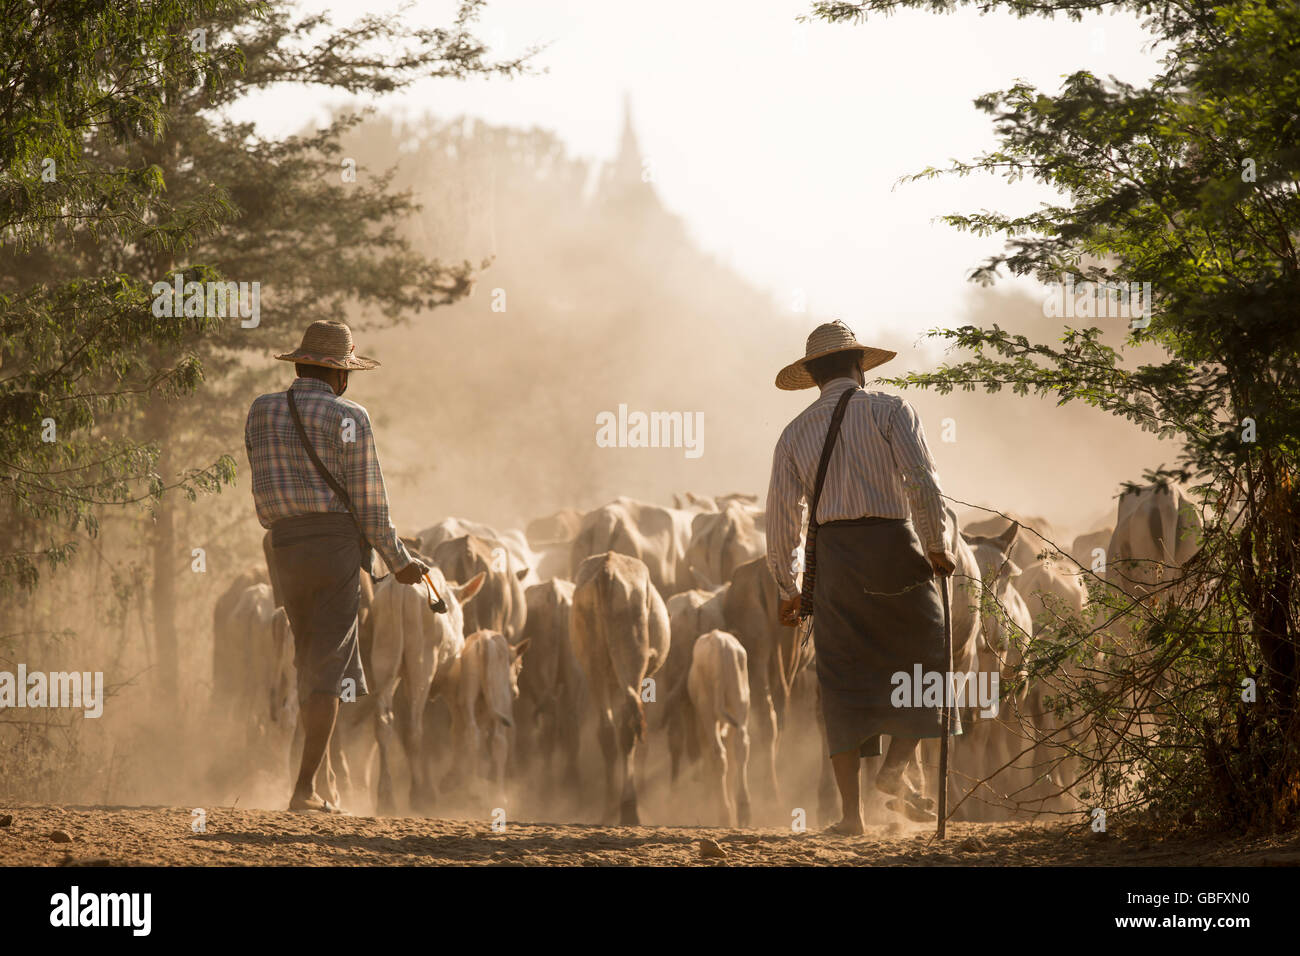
(596, 296)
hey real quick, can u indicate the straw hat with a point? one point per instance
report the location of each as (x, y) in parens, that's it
(328, 343)
(824, 340)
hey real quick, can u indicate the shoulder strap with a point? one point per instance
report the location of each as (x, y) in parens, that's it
(330, 480)
(832, 433)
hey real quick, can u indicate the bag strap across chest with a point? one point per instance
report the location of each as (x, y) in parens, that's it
(832, 434)
(330, 480)
(810, 543)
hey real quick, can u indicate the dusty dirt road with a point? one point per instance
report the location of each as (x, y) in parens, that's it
(135, 836)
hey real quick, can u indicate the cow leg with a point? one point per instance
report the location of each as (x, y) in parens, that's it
(499, 744)
(569, 730)
(608, 750)
(627, 808)
(675, 745)
(386, 738)
(765, 738)
(472, 749)
(421, 796)
(713, 756)
(738, 745)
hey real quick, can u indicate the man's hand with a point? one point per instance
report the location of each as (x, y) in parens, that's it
(412, 573)
(790, 611)
(942, 562)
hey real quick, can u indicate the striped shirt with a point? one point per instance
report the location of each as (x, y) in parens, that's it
(879, 467)
(286, 483)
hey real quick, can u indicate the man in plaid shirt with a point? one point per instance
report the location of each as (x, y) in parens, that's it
(319, 540)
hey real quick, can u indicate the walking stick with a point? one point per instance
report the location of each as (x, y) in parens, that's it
(946, 707)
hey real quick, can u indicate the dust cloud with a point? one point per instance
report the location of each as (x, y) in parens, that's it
(596, 297)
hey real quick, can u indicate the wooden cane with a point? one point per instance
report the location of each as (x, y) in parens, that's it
(945, 708)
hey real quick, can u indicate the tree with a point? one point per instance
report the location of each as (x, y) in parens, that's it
(285, 216)
(1189, 184)
(74, 348)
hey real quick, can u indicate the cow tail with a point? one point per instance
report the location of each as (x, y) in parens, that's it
(496, 665)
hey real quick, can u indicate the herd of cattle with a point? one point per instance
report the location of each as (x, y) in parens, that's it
(637, 622)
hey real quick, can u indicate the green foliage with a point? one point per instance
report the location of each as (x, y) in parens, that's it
(1189, 184)
(74, 348)
(151, 178)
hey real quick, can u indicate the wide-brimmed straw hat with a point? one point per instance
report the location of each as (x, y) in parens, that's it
(825, 340)
(328, 343)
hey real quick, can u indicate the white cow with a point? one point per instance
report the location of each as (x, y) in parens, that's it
(719, 691)
(1055, 597)
(721, 542)
(1027, 545)
(1007, 741)
(552, 693)
(482, 688)
(265, 692)
(654, 535)
(1157, 530)
(418, 648)
(1089, 550)
(619, 629)
(519, 558)
(690, 614)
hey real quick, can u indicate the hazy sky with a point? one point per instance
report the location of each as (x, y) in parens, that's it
(779, 143)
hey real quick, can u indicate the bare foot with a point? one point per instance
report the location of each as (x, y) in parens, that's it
(315, 804)
(898, 788)
(845, 828)
(911, 806)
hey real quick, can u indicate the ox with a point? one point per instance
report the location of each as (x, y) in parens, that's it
(718, 685)
(501, 605)
(552, 692)
(721, 542)
(483, 685)
(417, 648)
(656, 536)
(620, 636)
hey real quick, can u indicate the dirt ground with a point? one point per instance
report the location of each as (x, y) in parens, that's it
(137, 836)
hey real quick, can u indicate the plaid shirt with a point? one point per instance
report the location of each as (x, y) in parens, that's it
(286, 483)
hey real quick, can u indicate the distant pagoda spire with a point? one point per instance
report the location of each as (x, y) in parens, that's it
(623, 176)
(627, 164)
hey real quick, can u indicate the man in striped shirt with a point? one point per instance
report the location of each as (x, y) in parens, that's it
(876, 607)
(324, 515)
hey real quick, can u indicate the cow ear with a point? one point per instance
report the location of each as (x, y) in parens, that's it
(1011, 570)
(1005, 539)
(517, 650)
(522, 573)
(465, 592)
